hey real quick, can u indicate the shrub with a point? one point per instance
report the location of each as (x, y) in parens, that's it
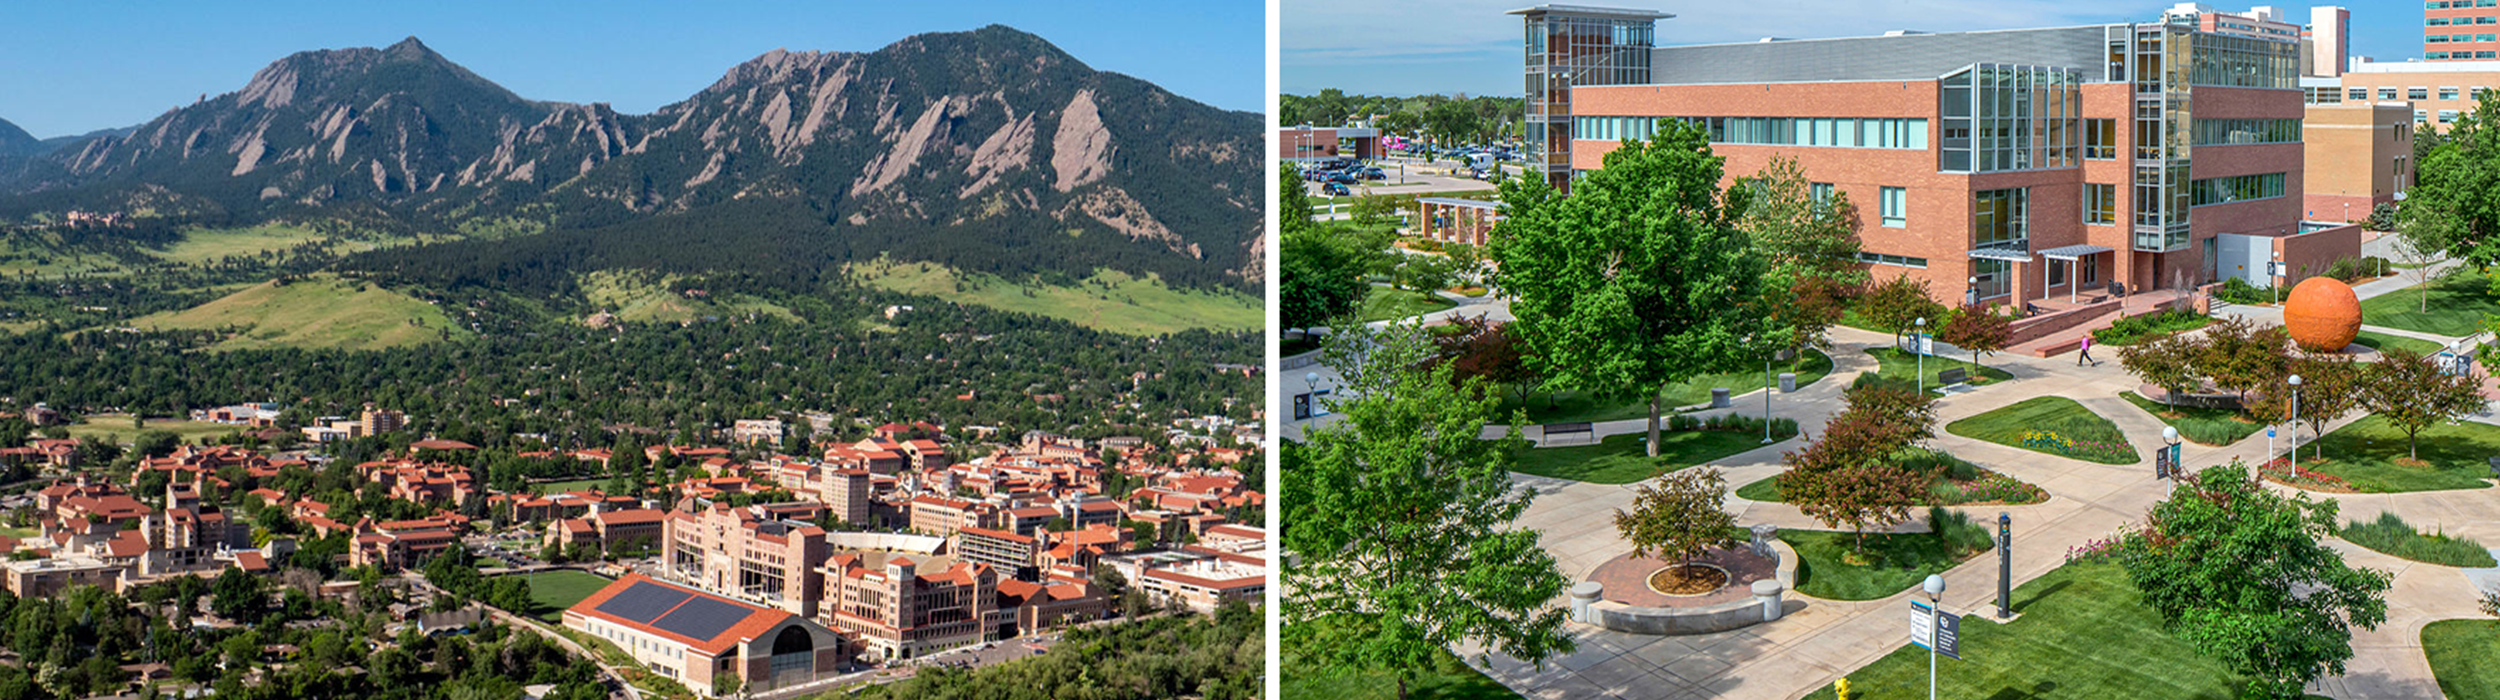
(2239, 291)
(2391, 535)
(1783, 427)
(1957, 531)
(2136, 329)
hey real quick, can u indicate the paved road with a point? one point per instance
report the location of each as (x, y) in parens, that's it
(1807, 650)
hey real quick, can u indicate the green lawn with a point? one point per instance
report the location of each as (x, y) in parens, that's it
(2384, 342)
(1619, 459)
(2050, 425)
(2085, 633)
(554, 591)
(1449, 679)
(2461, 653)
(1896, 365)
(1895, 563)
(1575, 407)
(2458, 302)
(1109, 301)
(574, 485)
(20, 532)
(2365, 453)
(2203, 426)
(321, 311)
(116, 427)
(1386, 303)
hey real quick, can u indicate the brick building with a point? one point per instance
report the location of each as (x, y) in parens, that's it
(753, 554)
(2007, 166)
(693, 637)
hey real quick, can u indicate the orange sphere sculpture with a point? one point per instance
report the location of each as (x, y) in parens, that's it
(2322, 314)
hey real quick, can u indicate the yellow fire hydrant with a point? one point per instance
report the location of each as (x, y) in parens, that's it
(1840, 689)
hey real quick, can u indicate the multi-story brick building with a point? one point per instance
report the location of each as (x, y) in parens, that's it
(2358, 155)
(2439, 92)
(2003, 166)
(403, 544)
(2460, 30)
(752, 554)
(693, 637)
(1010, 553)
(897, 611)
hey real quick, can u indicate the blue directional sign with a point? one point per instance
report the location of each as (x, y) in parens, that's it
(1948, 637)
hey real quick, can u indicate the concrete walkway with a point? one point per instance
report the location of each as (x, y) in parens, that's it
(1810, 648)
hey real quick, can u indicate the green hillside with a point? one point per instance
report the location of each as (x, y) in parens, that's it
(1110, 300)
(637, 296)
(319, 312)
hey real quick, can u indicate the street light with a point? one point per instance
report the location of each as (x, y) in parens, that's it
(1766, 398)
(1919, 348)
(2295, 463)
(2170, 444)
(1935, 610)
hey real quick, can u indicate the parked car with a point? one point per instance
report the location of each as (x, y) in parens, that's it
(1344, 176)
(1336, 189)
(1374, 174)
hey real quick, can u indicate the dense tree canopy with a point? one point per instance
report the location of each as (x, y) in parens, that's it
(1640, 278)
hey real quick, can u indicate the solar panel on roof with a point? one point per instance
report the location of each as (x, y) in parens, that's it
(702, 618)
(643, 602)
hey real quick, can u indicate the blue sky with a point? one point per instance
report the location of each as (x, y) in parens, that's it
(74, 67)
(1407, 47)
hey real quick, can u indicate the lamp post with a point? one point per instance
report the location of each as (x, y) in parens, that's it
(1919, 348)
(2295, 463)
(1935, 609)
(1767, 386)
(2170, 449)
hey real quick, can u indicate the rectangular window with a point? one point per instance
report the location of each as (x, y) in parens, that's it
(2100, 203)
(2237, 188)
(2447, 116)
(2436, 22)
(1999, 218)
(1822, 192)
(2486, 19)
(1893, 260)
(2357, 94)
(2100, 139)
(2225, 132)
(2091, 265)
(2417, 93)
(2447, 93)
(2421, 116)
(2057, 274)
(1896, 207)
(2387, 93)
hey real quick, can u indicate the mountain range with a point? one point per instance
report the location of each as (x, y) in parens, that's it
(990, 150)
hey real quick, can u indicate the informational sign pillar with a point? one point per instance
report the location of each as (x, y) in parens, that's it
(2005, 565)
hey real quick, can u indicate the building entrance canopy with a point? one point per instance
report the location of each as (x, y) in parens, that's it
(2072, 252)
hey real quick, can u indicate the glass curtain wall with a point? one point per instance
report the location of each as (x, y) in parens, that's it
(1566, 50)
(2163, 67)
(2005, 117)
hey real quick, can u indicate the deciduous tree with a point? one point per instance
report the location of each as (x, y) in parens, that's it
(2329, 389)
(1896, 304)
(1639, 278)
(2168, 362)
(2240, 573)
(1403, 517)
(2450, 208)
(1979, 329)
(2240, 357)
(1677, 517)
(1812, 244)
(2410, 391)
(1849, 476)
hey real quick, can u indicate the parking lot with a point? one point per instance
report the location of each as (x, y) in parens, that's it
(979, 655)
